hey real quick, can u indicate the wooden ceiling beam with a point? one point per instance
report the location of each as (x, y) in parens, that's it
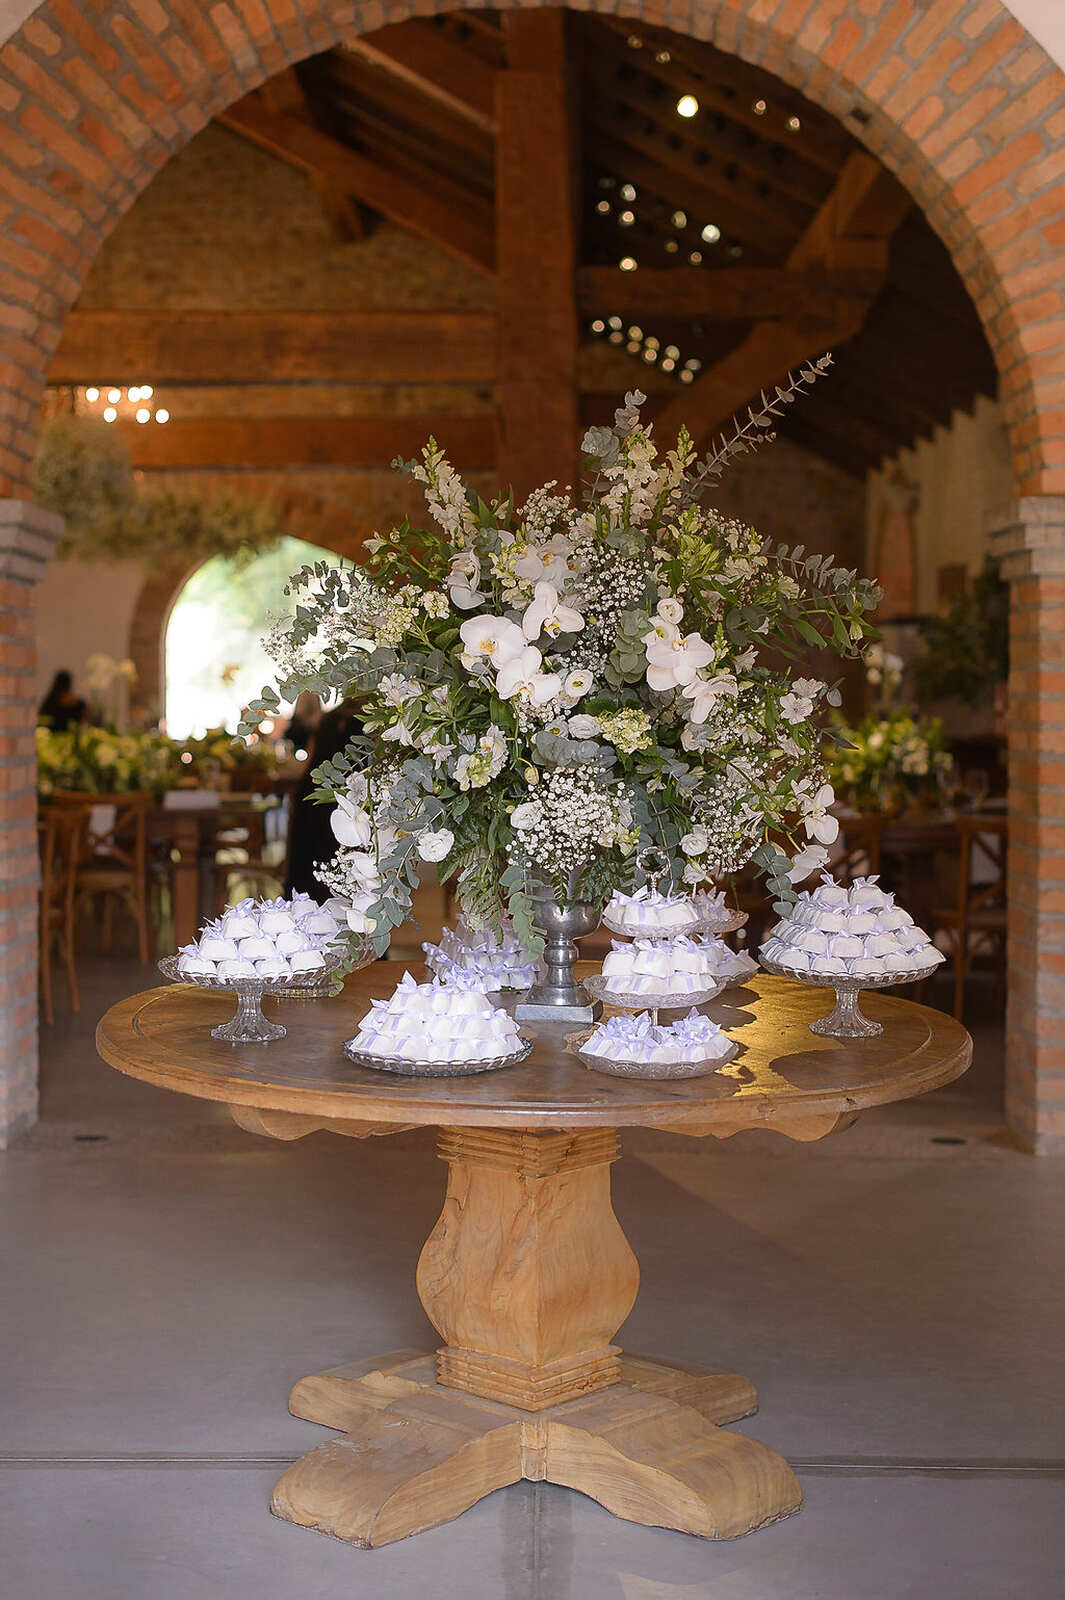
(537, 160)
(851, 229)
(285, 95)
(437, 209)
(263, 443)
(721, 294)
(631, 157)
(426, 59)
(356, 93)
(712, 130)
(275, 347)
(730, 87)
(680, 154)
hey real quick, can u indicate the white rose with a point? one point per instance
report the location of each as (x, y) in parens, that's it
(525, 816)
(577, 684)
(435, 846)
(695, 843)
(670, 610)
(583, 727)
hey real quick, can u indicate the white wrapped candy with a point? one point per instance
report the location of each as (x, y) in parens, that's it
(216, 947)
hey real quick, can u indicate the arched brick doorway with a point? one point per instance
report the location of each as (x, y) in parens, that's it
(956, 99)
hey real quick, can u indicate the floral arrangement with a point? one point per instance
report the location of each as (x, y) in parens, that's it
(217, 750)
(548, 688)
(885, 762)
(96, 761)
(83, 472)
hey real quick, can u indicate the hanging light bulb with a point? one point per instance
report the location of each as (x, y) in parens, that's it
(92, 395)
(687, 106)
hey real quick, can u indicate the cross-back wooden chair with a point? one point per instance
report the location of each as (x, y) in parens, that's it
(113, 859)
(859, 846)
(977, 920)
(59, 837)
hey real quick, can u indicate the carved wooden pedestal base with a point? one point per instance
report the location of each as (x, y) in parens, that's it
(527, 1275)
(417, 1454)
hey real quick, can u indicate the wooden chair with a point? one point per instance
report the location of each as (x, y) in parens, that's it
(113, 859)
(243, 852)
(59, 836)
(978, 919)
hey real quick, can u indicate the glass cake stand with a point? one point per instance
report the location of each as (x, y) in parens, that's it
(732, 922)
(697, 1068)
(599, 988)
(847, 1021)
(248, 1025)
(434, 1069)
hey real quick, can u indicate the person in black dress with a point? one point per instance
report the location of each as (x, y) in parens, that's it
(311, 836)
(61, 706)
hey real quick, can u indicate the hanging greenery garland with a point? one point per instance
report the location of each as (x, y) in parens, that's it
(83, 472)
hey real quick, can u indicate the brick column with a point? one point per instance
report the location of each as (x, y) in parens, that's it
(28, 537)
(1029, 539)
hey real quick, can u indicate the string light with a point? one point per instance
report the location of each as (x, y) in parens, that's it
(603, 207)
(672, 246)
(133, 394)
(598, 326)
(793, 124)
(627, 192)
(634, 42)
(696, 257)
(628, 263)
(759, 108)
(711, 233)
(162, 415)
(646, 346)
(687, 106)
(114, 396)
(679, 219)
(635, 333)
(626, 219)
(663, 58)
(143, 414)
(92, 395)
(110, 414)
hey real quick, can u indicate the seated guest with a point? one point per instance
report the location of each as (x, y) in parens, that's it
(61, 707)
(311, 836)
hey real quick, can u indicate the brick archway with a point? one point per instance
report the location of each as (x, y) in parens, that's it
(955, 98)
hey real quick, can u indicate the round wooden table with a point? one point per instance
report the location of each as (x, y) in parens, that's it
(527, 1275)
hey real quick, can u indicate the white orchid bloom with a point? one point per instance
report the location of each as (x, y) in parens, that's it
(350, 824)
(545, 562)
(816, 820)
(463, 581)
(358, 921)
(704, 693)
(661, 631)
(521, 675)
(363, 868)
(671, 664)
(491, 639)
(808, 860)
(549, 615)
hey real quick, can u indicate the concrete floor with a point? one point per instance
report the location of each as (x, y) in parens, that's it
(166, 1277)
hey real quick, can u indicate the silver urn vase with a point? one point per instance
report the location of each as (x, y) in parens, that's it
(560, 997)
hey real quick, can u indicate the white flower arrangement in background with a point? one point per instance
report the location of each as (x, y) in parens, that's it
(547, 688)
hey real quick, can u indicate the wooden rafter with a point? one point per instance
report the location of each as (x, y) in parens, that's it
(723, 294)
(436, 208)
(536, 244)
(427, 60)
(285, 95)
(850, 230)
(212, 443)
(275, 347)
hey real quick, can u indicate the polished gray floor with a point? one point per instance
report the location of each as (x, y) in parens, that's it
(165, 1277)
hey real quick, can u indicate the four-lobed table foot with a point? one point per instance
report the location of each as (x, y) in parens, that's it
(649, 1448)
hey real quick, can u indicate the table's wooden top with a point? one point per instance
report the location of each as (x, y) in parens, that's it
(783, 1074)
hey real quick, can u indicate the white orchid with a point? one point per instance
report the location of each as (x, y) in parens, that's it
(520, 675)
(704, 693)
(661, 632)
(362, 868)
(491, 639)
(463, 581)
(435, 846)
(358, 920)
(816, 820)
(673, 663)
(810, 859)
(545, 562)
(547, 614)
(350, 824)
